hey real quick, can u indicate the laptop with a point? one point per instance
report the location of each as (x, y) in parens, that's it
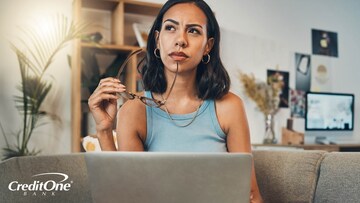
(158, 177)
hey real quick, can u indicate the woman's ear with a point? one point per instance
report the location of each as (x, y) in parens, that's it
(157, 34)
(209, 45)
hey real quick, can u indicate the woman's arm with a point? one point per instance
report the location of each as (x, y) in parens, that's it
(131, 118)
(131, 126)
(232, 118)
(103, 106)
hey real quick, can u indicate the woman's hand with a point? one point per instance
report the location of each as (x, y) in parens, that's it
(103, 103)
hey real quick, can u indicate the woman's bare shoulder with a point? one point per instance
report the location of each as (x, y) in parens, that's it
(132, 114)
(229, 101)
(131, 126)
(132, 107)
(229, 110)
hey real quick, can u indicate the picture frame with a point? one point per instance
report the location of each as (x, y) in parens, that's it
(297, 103)
(283, 77)
(302, 72)
(141, 33)
(324, 43)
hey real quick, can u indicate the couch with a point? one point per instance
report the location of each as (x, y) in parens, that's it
(283, 176)
(308, 176)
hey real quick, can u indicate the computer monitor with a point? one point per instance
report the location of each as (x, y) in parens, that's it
(329, 111)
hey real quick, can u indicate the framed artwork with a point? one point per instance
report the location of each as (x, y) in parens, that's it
(297, 103)
(302, 72)
(324, 43)
(321, 74)
(281, 77)
(141, 33)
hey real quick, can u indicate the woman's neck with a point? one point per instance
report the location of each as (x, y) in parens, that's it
(183, 96)
(184, 87)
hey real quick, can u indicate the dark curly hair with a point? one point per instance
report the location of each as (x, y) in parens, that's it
(212, 80)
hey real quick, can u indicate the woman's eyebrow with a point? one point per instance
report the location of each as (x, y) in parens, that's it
(194, 25)
(173, 21)
(188, 25)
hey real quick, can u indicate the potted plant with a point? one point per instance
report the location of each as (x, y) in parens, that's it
(35, 54)
(266, 95)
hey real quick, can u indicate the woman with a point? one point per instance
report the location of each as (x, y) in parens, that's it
(183, 72)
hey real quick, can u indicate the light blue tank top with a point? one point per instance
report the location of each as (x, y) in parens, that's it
(204, 134)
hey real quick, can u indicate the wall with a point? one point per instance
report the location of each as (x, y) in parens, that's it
(280, 25)
(52, 137)
(286, 25)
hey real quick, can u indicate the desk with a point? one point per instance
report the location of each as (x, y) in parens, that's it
(329, 148)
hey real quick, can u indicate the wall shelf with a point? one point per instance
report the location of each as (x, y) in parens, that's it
(113, 19)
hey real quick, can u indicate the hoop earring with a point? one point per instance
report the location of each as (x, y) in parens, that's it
(156, 54)
(208, 59)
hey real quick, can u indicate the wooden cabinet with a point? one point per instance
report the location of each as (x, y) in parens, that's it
(112, 20)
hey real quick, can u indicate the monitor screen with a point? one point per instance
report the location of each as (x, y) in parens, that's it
(329, 111)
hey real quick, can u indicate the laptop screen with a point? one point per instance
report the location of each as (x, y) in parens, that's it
(156, 177)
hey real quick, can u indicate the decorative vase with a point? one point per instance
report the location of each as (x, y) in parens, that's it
(269, 130)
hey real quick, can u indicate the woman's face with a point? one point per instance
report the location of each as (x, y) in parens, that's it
(183, 37)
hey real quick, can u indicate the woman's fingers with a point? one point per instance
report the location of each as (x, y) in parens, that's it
(106, 91)
(110, 89)
(109, 79)
(108, 82)
(94, 101)
(110, 85)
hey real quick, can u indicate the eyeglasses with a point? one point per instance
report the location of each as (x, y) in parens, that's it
(146, 100)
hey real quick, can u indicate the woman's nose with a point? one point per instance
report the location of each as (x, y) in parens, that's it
(181, 41)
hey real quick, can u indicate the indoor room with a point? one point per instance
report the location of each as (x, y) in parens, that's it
(278, 86)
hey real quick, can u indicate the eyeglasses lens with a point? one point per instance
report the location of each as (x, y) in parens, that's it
(127, 95)
(149, 102)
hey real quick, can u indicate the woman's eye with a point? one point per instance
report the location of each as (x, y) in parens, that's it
(194, 31)
(169, 27)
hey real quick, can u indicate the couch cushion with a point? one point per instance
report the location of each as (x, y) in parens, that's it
(51, 169)
(339, 179)
(287, 176)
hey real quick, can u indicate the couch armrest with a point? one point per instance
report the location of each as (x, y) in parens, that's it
(29, 170)
(287, 176)
(339, 179)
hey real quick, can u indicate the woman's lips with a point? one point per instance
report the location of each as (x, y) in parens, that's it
(178, 56)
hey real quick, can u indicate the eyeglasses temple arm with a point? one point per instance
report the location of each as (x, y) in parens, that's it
(126, 61)
(172, 85)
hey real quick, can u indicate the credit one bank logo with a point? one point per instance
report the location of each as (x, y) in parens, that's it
(41, 187)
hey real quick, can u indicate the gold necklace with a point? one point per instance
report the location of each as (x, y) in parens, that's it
(173, 120)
